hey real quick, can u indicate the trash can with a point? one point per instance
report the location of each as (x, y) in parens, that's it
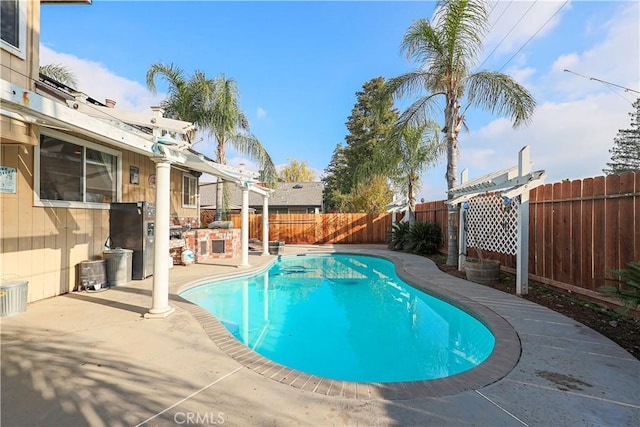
(119, 265)
(13, 298)
(93, 274)
(274, 247)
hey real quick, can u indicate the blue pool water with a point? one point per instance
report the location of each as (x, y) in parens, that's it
(346, 317)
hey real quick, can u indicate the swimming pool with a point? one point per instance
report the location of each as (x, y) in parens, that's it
(346, 317)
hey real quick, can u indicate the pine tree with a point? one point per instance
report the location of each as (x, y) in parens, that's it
(334, 184)
(625, 154)
(369, 125)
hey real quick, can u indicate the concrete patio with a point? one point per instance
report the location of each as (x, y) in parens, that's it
(92, 359)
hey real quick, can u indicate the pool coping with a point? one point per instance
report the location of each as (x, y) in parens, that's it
(501, 361)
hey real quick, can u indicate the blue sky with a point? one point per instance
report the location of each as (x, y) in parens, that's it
(299, 64)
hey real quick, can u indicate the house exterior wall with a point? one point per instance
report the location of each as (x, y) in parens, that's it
(24, 72)
(44, 245)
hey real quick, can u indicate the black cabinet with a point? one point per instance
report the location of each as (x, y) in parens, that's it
(131, 226)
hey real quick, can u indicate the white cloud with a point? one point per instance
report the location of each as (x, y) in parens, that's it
(261, 113)
(569, 140)
(565, 61)
(615, 59)
(100, 83)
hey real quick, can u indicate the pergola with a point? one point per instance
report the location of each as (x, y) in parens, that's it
(512, 183)
(122, 129)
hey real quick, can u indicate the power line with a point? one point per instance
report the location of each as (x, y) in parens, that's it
(509, 32)
(498, 19)
(534, 34)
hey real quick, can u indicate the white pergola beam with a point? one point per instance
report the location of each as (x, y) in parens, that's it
(43, 111)
(130, 117)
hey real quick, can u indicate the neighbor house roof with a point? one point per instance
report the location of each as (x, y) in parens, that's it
(289, 194)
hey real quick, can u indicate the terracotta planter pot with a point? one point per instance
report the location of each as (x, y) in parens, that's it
(482, 272)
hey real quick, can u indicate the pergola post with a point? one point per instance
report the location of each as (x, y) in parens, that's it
(462, 234)
(522, 257)
(160, 307)
(244, 227)
(265, 225)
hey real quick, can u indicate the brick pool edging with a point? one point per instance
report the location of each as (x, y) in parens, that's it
(502, 360)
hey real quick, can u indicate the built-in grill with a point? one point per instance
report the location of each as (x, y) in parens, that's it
(176, 237)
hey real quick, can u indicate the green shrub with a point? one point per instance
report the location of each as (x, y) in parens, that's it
(422, 238)
(629, 289)
(398, 237)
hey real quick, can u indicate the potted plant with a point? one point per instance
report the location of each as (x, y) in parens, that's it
(482, 270)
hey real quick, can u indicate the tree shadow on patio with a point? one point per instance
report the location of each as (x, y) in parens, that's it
(74, 379)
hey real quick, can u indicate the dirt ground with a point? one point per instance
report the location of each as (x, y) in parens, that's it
(623, 330)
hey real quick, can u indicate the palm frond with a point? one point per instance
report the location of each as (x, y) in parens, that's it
(462, 24)
(502, 95)
(59, 73)
(171, 73)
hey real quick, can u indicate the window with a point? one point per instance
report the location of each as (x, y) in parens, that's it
(73, 172)
(13, 31)
(189, 191)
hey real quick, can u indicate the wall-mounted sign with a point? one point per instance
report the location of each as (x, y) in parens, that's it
(8, 179)
(134, 175)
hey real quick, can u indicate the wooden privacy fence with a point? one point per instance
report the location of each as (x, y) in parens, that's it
(580, 229)
(321, 228)
(577, 230)
(334, 227)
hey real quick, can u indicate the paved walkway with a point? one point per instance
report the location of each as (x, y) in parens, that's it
(92, 359)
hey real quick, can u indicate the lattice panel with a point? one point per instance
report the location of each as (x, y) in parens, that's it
(492, 223)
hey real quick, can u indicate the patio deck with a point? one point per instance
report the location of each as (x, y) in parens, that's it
(91, 359)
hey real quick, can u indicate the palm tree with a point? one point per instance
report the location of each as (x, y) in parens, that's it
(59, 73)
(189, 98)
(212, 104)
(447, 49)
(417, 149)
(228, 124)
(406, 154)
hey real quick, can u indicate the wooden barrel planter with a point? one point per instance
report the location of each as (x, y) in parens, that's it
(484, 271)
